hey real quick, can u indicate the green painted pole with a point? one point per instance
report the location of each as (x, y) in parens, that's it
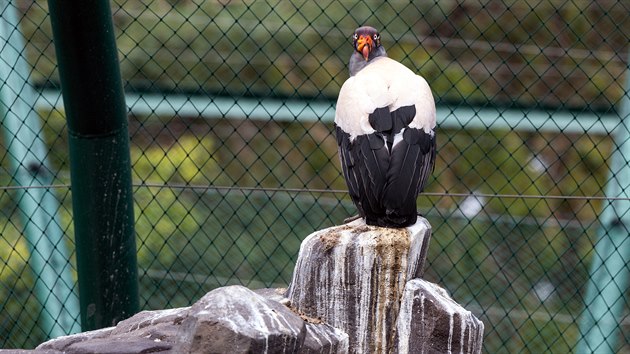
(100, 171)
(38, 207)
(604, 300)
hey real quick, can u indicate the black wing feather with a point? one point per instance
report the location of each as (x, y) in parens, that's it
(373, 166)
(381, 119)
(401, 191)
(428, 146)
(384, 180)
(411, 163)
(347, 166)
(364, 162)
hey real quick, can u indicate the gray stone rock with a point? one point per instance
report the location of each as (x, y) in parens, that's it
(352, 277)
(234, 319)
(61, 343)
(146, 332)
(275, 294)
(431, 322)
(118, 345)
(320, 337)
(324, 339)
(160, 325)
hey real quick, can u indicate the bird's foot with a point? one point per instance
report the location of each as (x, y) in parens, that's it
(351, 219)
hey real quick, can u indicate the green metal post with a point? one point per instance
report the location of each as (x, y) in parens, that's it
(38, 207)
(95, 109)
(610, 268)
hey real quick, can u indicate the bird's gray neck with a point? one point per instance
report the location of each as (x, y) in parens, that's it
(357, 62)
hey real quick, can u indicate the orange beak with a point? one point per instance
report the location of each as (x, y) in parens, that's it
(364, 46)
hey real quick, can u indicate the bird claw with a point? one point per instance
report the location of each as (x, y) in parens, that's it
(351, 219)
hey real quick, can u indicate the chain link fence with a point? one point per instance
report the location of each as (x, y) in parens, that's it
(234, 160)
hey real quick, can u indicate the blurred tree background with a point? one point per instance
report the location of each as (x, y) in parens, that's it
(227, 200)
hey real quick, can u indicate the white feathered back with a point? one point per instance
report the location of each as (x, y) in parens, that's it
(383, 83)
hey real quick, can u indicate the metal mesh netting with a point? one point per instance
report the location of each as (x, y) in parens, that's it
(230, 113)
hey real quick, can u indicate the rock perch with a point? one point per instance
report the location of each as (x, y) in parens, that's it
(356, 277)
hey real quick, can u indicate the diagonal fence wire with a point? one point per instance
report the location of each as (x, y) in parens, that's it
(230, 106)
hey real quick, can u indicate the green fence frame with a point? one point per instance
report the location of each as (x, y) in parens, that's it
(100, 167)
(49, 256)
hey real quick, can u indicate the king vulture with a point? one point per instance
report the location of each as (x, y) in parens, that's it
(384, 122)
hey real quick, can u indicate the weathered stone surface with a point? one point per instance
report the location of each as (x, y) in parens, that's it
(231, 320)
(352, 277)
(160, 326)
(324, 339)
(118, 345)
(234, 319)
(146, 332)
(145, 319)
(320, 337)
(431, 322)
(64, 342)
(274, 294)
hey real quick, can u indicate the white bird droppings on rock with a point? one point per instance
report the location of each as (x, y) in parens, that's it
(430, 321)
(352, 277)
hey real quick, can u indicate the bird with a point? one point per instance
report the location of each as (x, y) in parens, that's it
(385, 131)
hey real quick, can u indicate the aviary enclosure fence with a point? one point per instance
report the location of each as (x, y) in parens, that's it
(234, 162)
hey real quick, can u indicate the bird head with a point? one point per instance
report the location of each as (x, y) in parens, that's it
(366, 40)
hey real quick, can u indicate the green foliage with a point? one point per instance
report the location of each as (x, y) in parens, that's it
(470, 52)
(186, 161)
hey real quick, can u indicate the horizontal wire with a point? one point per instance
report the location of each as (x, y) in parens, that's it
(331, 191)
(236, 188)
(523, 196)
(46, 186)
(343, 191)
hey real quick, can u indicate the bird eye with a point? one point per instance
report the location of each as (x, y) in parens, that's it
(376, 37)
(355, 36)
